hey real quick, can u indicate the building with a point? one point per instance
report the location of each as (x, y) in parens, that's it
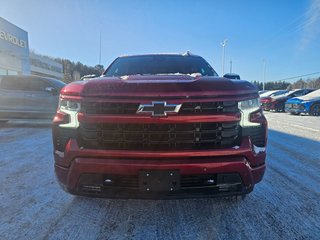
(16, 59)
(45, 66)
(14, 49)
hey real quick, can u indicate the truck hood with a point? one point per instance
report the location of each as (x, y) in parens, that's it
(159, 86)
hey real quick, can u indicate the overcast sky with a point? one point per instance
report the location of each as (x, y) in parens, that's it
(285, 33)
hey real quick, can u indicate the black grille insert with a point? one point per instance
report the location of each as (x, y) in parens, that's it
(152, 137)
(112, 181)
(197, 108)
(209, 107)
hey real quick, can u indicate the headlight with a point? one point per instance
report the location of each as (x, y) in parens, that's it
(247, 107)
(69, 105)
(71, 108)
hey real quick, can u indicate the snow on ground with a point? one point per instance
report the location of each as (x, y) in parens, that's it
(285, 205)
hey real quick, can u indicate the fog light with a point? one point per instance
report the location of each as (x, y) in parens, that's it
(108, 181)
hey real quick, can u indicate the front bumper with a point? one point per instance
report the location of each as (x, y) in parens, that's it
(74, 164)
(296, 108)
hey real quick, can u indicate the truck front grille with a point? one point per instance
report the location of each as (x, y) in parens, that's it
(187, 108)
(294, 106)
(153, 137)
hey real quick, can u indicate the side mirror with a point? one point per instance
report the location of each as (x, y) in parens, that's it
(231, 76)
(51, 90)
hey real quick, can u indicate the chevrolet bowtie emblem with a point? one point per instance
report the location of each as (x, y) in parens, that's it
(159, 109)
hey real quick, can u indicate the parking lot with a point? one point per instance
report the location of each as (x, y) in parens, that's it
(285, 205)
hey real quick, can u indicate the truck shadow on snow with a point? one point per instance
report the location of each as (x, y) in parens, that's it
(27, 124)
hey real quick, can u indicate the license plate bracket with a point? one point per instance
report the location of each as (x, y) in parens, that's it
(159, 180)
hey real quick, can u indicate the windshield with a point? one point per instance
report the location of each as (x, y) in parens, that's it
(313, 94)
(267, 94)
(288, 93)
(278, 93)
(159, 64)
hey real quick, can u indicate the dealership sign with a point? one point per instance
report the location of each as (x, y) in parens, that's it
(14, 47)
(12, 39)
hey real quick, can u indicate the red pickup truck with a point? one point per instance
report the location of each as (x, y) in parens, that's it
(159, 126)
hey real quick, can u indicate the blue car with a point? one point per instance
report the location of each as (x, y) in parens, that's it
(307, 104)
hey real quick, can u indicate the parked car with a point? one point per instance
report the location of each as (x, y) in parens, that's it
(271, 93)
(307, 104)
(25, 97)
(277, 103)
(144, 131)
(266, 97)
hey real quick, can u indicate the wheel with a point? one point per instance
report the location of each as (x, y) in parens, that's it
(281, 107)
(278, 107)
(315, 110)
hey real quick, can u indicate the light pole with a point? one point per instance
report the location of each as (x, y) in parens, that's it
(223, 44)
(264, 72)
(100, 49)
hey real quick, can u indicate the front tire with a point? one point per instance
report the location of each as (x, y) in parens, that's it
(315, 110)
(279, 108)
